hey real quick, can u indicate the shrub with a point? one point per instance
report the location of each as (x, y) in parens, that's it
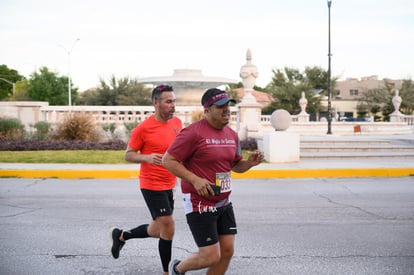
(197, 115)
(78, 126)
(35, 145)
(11, 129)
(249, 144)
(42, 130)
(129, 126)
(109, 128)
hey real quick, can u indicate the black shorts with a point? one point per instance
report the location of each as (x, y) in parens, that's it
(207, 226)
(160, 203)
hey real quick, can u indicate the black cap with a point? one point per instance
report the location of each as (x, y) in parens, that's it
(215, 96)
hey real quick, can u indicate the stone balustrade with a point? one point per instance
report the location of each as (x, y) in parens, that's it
(265, 119)
(409, 120)
(120, 114)
(31, 112)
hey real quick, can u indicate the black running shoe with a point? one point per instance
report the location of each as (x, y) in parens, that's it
(116, 243)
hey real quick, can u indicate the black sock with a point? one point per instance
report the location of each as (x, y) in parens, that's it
(138, 232)
(164, 248)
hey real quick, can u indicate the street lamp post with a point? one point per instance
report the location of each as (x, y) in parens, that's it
(69, 77)
(329, 70)
(11, 83)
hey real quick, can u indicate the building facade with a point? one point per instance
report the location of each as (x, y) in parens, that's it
(346, 93)
(353, 88)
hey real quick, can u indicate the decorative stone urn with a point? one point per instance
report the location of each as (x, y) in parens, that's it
(396, 101)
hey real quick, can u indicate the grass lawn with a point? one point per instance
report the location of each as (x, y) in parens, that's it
(68, 156)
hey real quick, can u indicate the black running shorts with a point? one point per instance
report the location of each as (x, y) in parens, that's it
(160, 203)
(207, 226)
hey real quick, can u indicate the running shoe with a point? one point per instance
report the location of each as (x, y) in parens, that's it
(116, 243)
(171, 268)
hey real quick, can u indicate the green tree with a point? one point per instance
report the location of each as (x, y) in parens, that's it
(371, 101)
(317, 78)
(362, 110)
(8, 75)
(288, 84)
(375, 100)
(231, 89)
(240, 85)
(121, 91)
(88, 97)
(107, 92)
(135, 94)
(407, 95)
(48, 86)
(21, 93)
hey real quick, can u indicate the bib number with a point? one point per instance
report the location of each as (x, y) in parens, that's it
(224, 181)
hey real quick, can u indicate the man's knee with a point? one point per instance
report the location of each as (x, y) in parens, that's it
(210, 255)
(166, 226)
(165, 221)
(227, 252)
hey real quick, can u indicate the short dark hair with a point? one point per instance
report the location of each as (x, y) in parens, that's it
(157, 91)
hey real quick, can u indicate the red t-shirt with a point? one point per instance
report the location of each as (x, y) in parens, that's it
(152, 136)
(209, 153)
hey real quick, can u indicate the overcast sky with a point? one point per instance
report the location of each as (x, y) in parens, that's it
(137, 38)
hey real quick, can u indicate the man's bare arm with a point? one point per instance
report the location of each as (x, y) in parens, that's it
(178, 169)
(254, 159)
(132, 155)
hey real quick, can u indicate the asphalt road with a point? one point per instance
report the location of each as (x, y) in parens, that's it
(286, 226)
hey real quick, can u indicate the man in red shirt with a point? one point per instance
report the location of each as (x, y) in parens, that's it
(203, 156)
(147, 145)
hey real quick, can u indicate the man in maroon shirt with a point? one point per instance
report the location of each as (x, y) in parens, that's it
(203, 156)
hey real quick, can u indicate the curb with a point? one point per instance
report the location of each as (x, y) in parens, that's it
(254, 174)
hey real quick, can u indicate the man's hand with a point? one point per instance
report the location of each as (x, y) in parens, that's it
(255, 158)
(154, 158)
(203, 188)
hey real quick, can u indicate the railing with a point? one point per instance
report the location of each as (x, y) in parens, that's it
(32, 112)
(265, 119)
(116, 114)
(409, 120)
(131, 114)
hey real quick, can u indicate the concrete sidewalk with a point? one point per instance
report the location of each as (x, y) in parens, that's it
(307, 168)
(377, 165)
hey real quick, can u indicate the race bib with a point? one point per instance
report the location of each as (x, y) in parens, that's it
(224, 181)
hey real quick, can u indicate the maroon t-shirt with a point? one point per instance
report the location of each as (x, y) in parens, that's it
(209, 153)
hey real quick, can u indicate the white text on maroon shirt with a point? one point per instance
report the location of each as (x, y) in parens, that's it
(217, 141)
